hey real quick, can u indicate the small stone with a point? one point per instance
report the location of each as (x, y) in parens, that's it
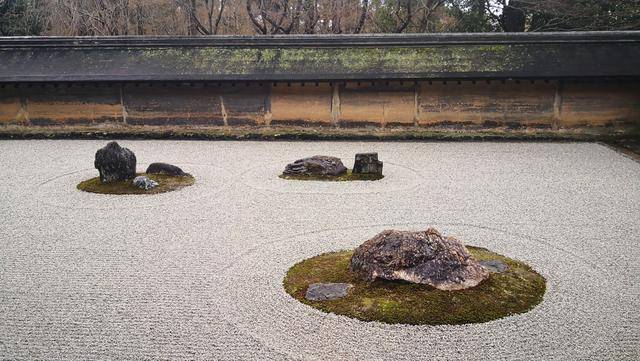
(327, 291)
(164, 168)
(418, 257)
(145, 183)
(318, 165)
(115, 163)
(367, 163)
(495, 265)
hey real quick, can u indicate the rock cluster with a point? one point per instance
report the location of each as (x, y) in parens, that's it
(319, 165)
(164, 168)
(418, 257)
(367, 163)
(115, 163)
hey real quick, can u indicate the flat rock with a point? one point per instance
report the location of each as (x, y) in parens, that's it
(145, 183)
(318, 165)
(165, 168)
(495, 265)
(327, 291)
(115, 163)
(419, 257)
(367, 163)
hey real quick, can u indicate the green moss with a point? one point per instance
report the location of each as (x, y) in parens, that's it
(347, 177)
(110, 131)
(515, 291)
(167, 183)
(245, 61)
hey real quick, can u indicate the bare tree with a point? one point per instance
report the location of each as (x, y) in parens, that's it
(275, 16)
(213, 13)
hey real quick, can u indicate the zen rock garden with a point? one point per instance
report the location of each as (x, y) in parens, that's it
(416, 278)
(116, 166)
(327, 168)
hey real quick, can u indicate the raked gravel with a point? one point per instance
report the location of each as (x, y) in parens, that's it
(197, 273)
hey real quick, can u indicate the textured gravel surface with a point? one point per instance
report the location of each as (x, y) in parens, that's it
(197, 273)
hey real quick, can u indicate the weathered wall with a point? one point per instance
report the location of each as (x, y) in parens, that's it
(598, 104)
(379, 104)
(295, 104)
(487, 104)
(466, 104)
(197, 104)
(57, 104)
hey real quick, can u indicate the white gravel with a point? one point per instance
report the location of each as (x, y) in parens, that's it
(197, 274)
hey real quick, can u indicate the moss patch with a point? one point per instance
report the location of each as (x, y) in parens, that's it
(515, 291)
(167, 183)
(349, 176)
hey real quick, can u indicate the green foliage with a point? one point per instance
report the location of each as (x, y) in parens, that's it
(22, 17)
(583, 15)
(469, 17)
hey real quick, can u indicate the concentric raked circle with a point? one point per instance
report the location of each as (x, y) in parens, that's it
(571, 320)
(397, 178)
(61, 192)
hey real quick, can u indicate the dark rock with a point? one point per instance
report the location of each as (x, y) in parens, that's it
(418, 257)
(164, 168)
(145, 183)
(318, 165)
(115, 163)
(495, 266)
(367, 163)
(327, 291)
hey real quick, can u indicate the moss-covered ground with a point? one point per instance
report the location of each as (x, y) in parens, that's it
(294, 133)
(627, 142)
(515, 291)
(167, 183)
(349, 176)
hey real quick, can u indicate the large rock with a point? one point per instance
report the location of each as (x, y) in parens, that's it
(367, 163)
(418, 257)
(115, 163)
(318, 165)
(164, 168)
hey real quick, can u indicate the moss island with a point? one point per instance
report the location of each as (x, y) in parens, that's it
(348, 176)
(167, 183)
(517, 290)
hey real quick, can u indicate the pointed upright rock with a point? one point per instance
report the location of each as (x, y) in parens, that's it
(115, 163)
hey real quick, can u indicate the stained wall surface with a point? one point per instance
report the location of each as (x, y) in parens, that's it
(466, 104)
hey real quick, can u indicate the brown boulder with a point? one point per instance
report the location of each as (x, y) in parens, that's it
(418, 257)
(318, 165)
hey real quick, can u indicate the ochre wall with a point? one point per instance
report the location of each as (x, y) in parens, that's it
(480, 104)
(376, 104)
(295, 104)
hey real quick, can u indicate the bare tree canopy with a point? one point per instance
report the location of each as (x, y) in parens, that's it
(210, 17)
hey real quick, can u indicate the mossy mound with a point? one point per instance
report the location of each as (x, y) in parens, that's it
(167, 183)
(515, 291)
(349, 176)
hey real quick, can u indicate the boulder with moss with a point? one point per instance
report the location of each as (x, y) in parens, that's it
(418, 257)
